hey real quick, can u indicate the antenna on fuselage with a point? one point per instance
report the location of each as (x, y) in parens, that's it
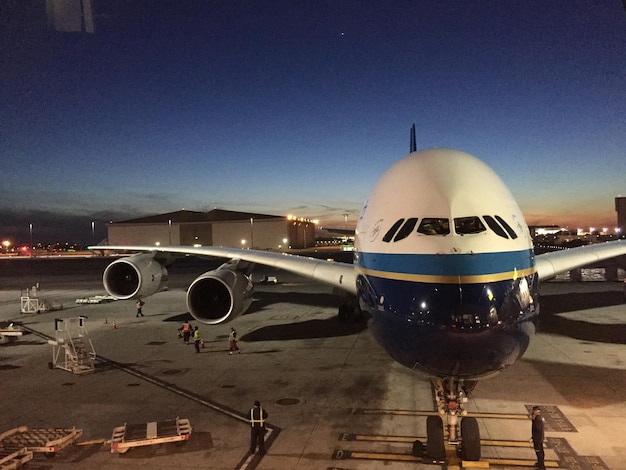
(413, 144)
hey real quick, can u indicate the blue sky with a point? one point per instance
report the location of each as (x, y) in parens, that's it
(297, 107)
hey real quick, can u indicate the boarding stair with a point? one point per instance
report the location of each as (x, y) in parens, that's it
(72, 350)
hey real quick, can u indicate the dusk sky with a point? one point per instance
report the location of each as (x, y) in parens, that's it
(282, 107)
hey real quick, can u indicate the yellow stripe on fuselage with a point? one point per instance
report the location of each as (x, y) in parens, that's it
(439, 279)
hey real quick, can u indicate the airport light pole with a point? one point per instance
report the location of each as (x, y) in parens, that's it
(30, 231)
(93, 232)
(251, 232)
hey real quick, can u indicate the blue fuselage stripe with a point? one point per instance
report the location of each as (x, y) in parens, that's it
(457, 264)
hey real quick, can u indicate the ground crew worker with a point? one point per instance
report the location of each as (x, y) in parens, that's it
(196, 339)
(538, 436)
(138, 305)
(257, 428)
(232, 341)
(186, 329)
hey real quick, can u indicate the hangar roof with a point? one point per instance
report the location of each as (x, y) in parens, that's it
(184, 216)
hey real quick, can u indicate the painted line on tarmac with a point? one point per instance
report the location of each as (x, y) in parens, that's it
(378, 411)
(348, 437)
(375, 438)
(523, 463)
(341, 454)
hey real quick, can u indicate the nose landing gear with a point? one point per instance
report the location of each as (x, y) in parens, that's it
(451, 397)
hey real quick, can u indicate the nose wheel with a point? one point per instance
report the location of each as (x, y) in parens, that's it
(435, 443)
(451, 398)
(469, 448)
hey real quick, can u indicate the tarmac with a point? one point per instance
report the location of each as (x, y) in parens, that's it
(334, 398)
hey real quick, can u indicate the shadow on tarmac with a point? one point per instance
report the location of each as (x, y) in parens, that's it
(570, 302)
(582, 386)
(265, 299)
(551, 322)
(310, 329)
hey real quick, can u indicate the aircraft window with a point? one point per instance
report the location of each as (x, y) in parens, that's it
(467, 225)
(394, 228)
(433, 226)
(406, 229)
(495, 226)
(507, 227)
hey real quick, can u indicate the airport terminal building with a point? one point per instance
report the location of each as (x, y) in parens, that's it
(215, 228)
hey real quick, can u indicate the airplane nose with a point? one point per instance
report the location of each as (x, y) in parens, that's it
(464, 330)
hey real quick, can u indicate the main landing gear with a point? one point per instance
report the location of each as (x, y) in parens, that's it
(451, 396)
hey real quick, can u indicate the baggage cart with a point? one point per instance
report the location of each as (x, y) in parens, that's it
(48, 441)
(145, 434)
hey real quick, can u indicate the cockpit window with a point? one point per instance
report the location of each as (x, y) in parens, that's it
(468, 225)
(432, 226)
(406, 229)
(391, 232)
(495, 226)
(507, 227)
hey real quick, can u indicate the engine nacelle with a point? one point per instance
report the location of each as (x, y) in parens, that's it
(219, 296)
(134, 277)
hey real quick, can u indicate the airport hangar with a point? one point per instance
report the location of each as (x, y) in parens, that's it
(215, 228)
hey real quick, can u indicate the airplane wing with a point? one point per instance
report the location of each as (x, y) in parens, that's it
(556, 262)
(343, 275)
(339, 275)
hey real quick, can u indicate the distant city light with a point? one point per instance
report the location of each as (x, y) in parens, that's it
(302, 219)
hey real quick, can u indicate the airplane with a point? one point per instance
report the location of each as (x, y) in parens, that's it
(444, 273)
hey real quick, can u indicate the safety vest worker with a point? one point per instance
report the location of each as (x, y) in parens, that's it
(257, 428)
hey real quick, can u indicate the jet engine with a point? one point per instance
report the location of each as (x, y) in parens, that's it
(134, 277)
(219, 296)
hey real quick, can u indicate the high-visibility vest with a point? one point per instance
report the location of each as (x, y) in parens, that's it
(186, 327)
(260, 420)
(196, 334)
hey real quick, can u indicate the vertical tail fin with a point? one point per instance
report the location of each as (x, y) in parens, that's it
(413, 144)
